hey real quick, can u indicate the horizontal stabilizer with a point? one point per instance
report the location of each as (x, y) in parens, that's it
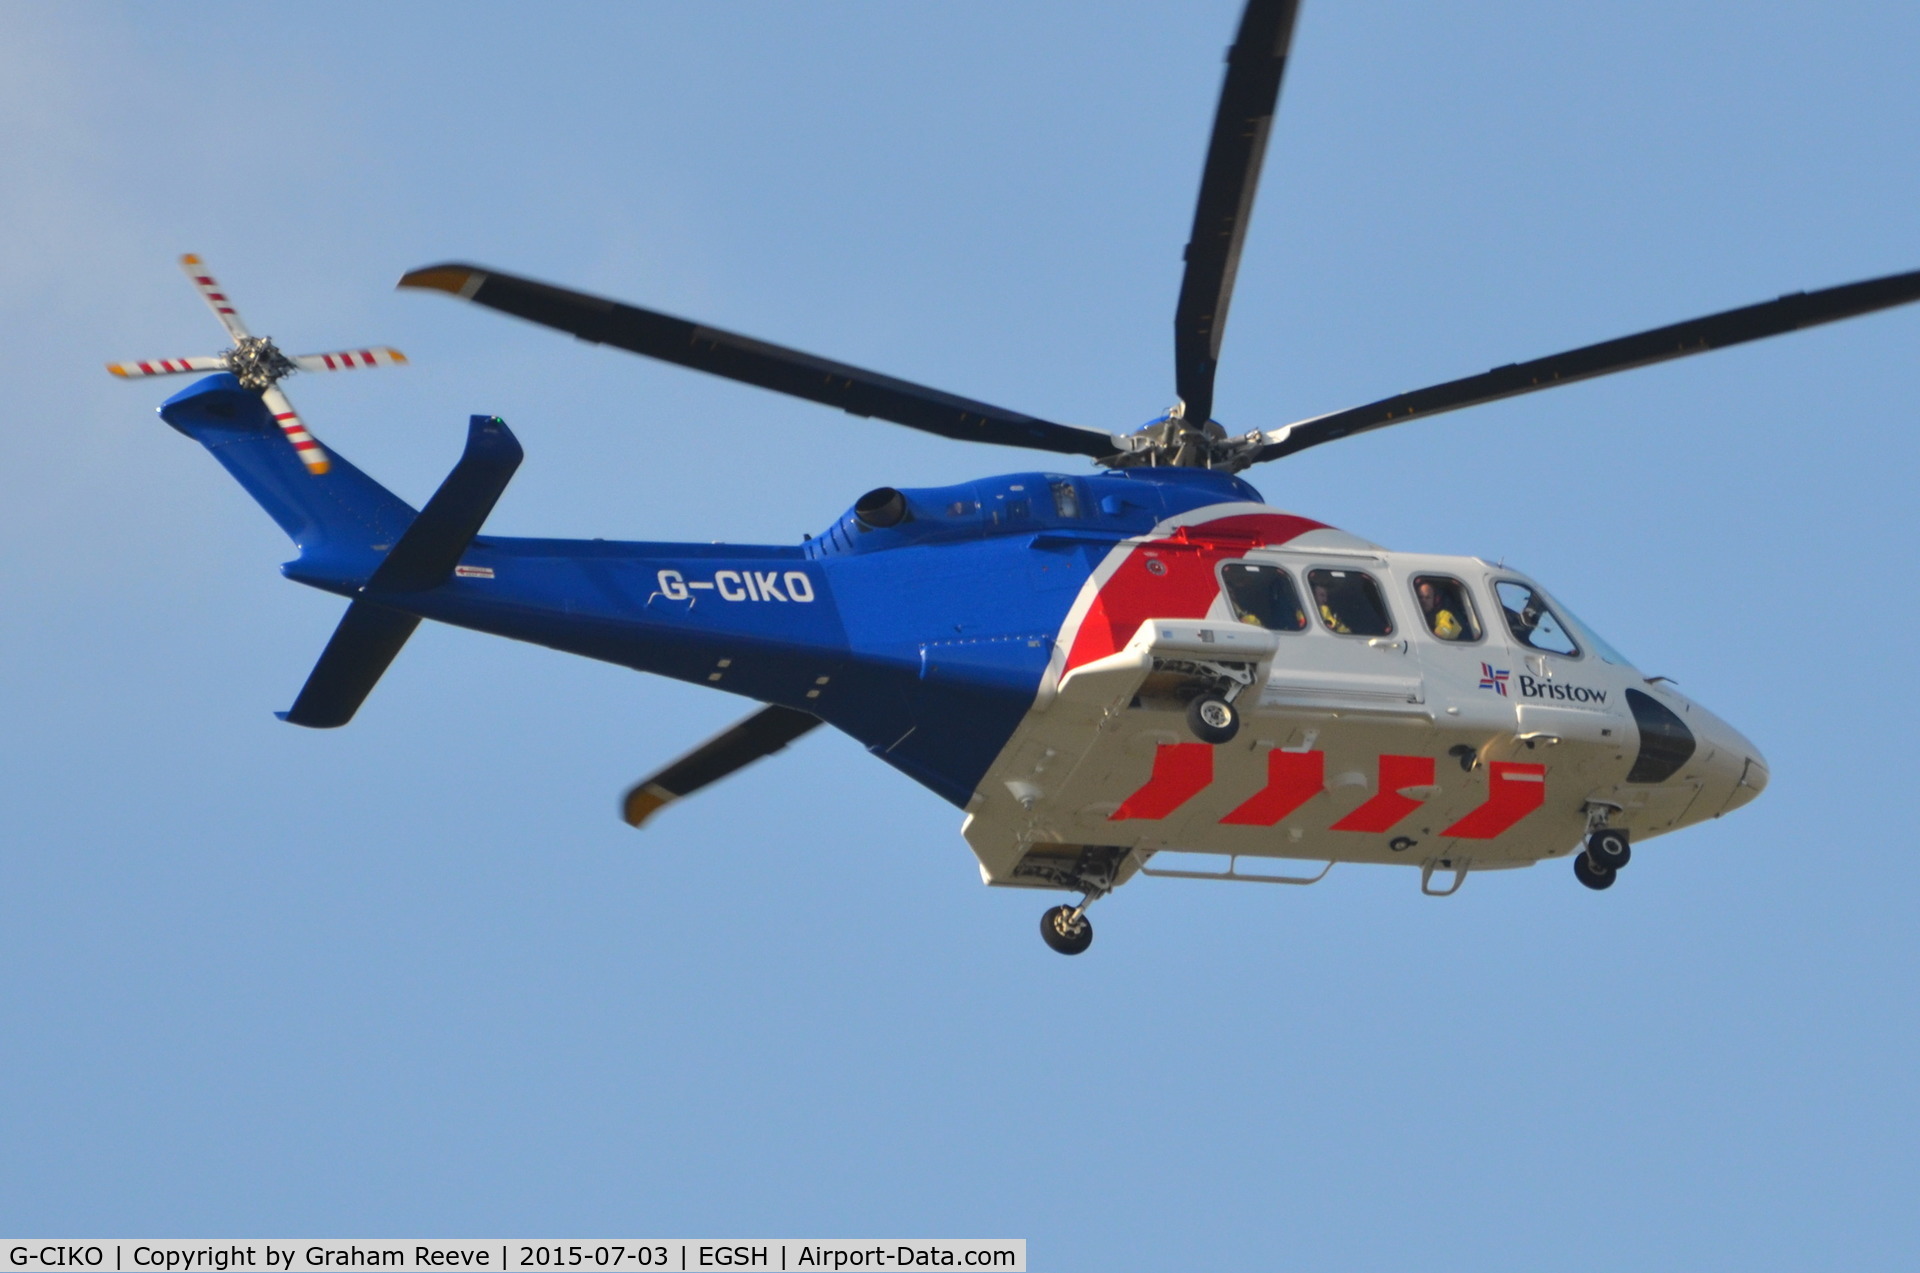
(369, 635)
(760, 734)
(431, 547)
(362, 646)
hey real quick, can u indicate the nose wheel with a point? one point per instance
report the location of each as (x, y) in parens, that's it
(1599, 863)
(1066, 929)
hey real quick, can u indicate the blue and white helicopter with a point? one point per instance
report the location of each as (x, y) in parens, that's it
(1097, 667)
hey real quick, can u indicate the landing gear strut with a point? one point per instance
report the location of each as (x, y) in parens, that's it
(1092, 875)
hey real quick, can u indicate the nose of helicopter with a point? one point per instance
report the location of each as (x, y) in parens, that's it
(1741, 767)
(1734, 770)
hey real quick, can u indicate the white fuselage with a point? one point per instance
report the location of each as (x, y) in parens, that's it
(1493, 736)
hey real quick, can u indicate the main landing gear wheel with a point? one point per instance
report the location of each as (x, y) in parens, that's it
(1212, 719)
(1592, 876)
(1066, 932)
(1609, 849)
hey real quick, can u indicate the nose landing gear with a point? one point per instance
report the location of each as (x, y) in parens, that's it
(1606, 852)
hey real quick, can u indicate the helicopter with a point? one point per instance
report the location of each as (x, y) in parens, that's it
(1098, 667)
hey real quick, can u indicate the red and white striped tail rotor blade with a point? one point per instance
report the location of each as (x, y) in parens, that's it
(311, 453)
(167, 366)
(351, 359)
(214, 295)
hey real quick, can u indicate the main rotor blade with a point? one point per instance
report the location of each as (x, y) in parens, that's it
(1255, 64)
(1716, 331)
(859, 392)
(760, 734)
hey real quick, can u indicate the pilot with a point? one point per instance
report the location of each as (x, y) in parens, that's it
(1444, 623)
(1332, 620)
(1524, 620)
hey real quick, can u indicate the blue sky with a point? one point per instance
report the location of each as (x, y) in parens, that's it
(415, 977)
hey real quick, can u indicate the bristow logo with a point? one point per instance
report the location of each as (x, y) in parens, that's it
(739, 585)
(1531, 688)
(1495, 680)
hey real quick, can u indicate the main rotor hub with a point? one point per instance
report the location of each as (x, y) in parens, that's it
(1171, 442)
(257, 363)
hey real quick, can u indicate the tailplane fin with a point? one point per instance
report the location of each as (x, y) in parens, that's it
(342, 519)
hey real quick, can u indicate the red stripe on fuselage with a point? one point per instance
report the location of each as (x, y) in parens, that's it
(1388, 806)
(1181, 771)
(1184, 589)
(1293, 778)
(1513, 791)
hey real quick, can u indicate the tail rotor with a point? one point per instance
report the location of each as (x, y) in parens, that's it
(257, 363)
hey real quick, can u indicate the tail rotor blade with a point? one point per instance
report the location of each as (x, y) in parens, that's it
(761, 734)
(311, 453)
(350, 359)
(215, 296)
(167, 366)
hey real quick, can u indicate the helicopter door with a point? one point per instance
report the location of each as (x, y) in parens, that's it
(1466, 661)
(1564, 705)
(1351, 654)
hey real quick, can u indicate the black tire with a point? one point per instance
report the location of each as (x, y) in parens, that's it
(1212, 719)
(1068, 941)
(1609, 849)
(1592, 876)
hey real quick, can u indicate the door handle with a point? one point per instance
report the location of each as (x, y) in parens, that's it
(1387, 643)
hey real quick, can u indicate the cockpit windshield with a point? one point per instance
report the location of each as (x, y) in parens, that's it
(1548, 625)
(1593, 640)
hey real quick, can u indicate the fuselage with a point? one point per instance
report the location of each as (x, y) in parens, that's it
(955, 632)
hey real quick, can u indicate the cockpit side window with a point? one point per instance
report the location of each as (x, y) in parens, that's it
(1263, 596)
(1349, 602)
(1533, 622)
(1446, 607)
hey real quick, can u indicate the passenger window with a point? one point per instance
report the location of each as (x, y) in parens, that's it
(1066, 500)
(1530, 620)
(1263, 596)
(1349, 602)
(1445, 606)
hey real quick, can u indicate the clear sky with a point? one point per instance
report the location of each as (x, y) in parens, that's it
(414, 977)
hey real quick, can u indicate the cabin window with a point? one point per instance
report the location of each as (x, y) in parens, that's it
(1533, 622)
(1349, 602)
(1066, 500)
(1263, 596)
(1446, 608)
